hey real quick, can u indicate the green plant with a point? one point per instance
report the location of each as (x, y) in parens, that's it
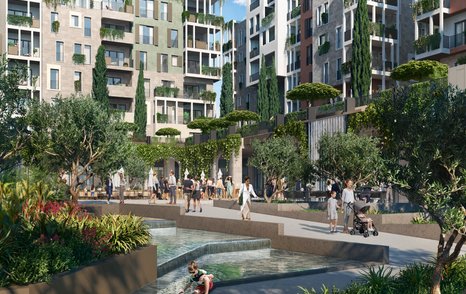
(415, 278)
(324, 48)
(297, 130)
(424, 6)
(210, 71)
(419, 70)
(461, 60)
(312, 92)
(324, 17)
(162, 118)
(185, 15)
(378, 280)
(164, 91)
(79, 58)
(421, 219)
(19, 20)
(346, 67)
(55, 26)
(268, 19)
(77, 86)
(208, 96)
(296, 11)
(168, 132)
(242, 115)
(111, 33)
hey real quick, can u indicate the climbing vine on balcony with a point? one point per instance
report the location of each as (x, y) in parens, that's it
(195, 158)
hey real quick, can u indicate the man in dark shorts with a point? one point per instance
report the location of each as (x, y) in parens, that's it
(197, 194)
(188, 187)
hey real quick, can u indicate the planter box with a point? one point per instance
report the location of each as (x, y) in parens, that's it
(190, 43)
(35, 23)
(108, 60)
(192, 18)
(118, 274)
(129, 9)
(13, 49)
(201, 44)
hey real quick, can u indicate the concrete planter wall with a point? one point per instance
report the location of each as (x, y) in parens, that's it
(120, 274)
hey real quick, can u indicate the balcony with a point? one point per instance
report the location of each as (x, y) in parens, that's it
(202, 18)
(124, 64)
(295, 12)
(117, 10)
(211, 71)
(427, 43)
(425, 6)
(116, 35)
(121, 91)
(254, 53)
(267, 20)
(254, 5)
(19, 18)
(324, 48)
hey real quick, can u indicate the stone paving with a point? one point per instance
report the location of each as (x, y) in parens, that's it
(403, 250)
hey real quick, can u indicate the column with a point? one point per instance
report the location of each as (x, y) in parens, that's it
(176, 112)
(236, 168)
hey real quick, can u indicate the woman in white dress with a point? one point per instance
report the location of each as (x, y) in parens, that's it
(246, 191)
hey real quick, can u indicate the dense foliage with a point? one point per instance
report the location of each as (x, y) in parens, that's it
(207, 124)
(349, 156)
(76, 135)
(420, 70)
(195, 158)
(226, 95)
(140, 109)
(13, 106)
(99, 78)
(168, 132)
(312, 92)
(413, 279)
(361, 72)
(274, 98)
(263, 93)
(40, 237)
(242, 115)
(297, 130)
(422, 128)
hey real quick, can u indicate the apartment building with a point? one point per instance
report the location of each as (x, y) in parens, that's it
(274, 33)
(440, 31)
(58, 45)
(328, 41)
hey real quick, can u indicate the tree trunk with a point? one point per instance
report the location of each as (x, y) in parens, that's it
(437, 277)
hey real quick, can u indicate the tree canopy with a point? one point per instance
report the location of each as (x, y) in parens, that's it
(423, 128)
(99, 78)
(274, 96)
(420, 70)
(312, 92)
(13, 107)
(76, 135)
(263, 93)
(242, 115)
(361, 72)
(349, 156)
(208, 124)
(140, 109)
(168, 132)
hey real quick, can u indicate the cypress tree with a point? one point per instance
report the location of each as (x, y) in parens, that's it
(274, 102)
(140, 111)
(263, 93)
(361, 75)
(99, 78)
(226, 95)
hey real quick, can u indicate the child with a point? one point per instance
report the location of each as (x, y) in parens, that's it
(203, 281)
(365, 219)
(332, 206)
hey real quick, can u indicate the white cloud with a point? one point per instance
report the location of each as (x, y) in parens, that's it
(240, 2)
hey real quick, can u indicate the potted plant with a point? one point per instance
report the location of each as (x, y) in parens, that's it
(35, 23)
(35, 51)
(190, 41)
(324, 17)
(129, 6)
(185, 15)
(55, 26)
(12, 48)
(175, 92)
(217, 46)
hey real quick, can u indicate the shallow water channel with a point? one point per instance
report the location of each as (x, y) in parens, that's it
(227, 257)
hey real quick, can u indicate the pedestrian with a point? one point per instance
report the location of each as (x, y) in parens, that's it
(155, 188)
(197, 194)
(220, 188)
(332, 213)
(188, 187)
(336, 188)
(172, 187)
(109, 189)
(245, 192)
(204, 282)
(121, 192)
(229, 187)
(210, 188)
(348, 202)
(166, 189)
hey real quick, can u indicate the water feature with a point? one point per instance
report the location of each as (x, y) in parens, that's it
(228, 257)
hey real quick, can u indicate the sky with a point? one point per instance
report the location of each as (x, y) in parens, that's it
(232, 9)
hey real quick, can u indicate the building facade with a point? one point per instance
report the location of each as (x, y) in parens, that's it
(58, 45)
(440, 31)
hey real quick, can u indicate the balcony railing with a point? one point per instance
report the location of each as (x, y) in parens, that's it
(254, 77)
(427, 43)
(454, 41)
(254, 53)
(424, 6)
(113, 5)
(295, 12)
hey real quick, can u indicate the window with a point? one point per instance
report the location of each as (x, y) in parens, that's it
(113, 81)
(116, 57)
(322, 39)
(272, 34)
(77, 48)
(147, 87)
(146, 8)
(338, 69)
(325, 73)
(87, 26)
(322, 14)
(164, 62)
(53, 18)
(143, 58)
(59, 54)
(460, 29)
(175, 61)
(338, 38)
(174, 38)
(307, 5)
(308, 27)
(264, 38)
(251, 25)
(87, 54)
(77, 81)
(146, 35)
(74, 21)
(164, 11)
(54, 79)
(309, 55)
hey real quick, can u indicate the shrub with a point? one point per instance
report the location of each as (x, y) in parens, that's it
(415, 278)
(312, 92)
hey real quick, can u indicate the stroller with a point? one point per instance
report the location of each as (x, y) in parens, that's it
(361, 223)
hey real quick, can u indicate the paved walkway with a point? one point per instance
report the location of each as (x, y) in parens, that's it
(403, 250)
